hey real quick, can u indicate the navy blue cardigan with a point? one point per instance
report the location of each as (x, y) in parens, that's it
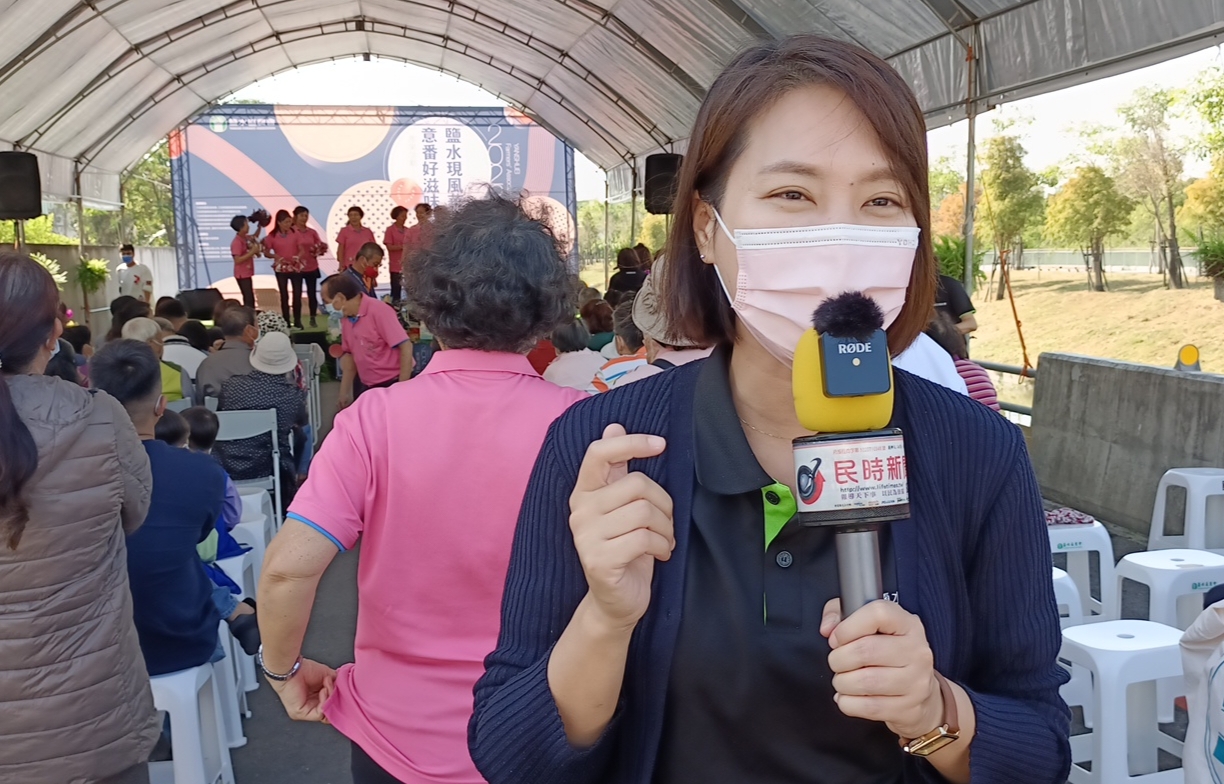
(973, 563)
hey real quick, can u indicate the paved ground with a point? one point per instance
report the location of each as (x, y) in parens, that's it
(280, 751)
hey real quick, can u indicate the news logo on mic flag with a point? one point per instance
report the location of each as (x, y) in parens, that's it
(848, 474)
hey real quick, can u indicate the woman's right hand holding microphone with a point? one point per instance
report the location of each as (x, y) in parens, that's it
(622, 524)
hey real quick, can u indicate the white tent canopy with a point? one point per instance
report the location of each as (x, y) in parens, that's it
(92, 84)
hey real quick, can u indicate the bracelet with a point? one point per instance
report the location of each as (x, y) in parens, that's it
(259, 659)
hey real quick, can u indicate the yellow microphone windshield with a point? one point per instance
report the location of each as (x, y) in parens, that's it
(821, 413)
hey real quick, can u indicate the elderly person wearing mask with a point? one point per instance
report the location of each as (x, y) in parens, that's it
(489, 286)
(665, 349)
(270, 384)
(74, 692)
(149, 332)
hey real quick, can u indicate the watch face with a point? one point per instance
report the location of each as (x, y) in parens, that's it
(925, 747)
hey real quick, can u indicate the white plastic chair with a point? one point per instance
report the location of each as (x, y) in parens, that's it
(1078, 690)
(211, 403)
(179, 406)
(197, 727)
(241, 569)
(1077, 542)
(1204, 524)
(239, 425)
(233, 698)
(314, 408)
(1126, 659)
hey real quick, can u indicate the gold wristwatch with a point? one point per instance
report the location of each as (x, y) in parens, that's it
(948, 732)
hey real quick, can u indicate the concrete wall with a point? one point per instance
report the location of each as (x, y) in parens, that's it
(1104, 432)
(162, 261)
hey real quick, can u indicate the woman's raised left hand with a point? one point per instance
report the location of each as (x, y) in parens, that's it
(883, 668)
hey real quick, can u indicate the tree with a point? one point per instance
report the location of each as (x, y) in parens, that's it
(652, 232)
(944, 181)
(1150, 167)
(38, 231)
(1203, 210)
(1086, 211)
(148, 206)
(1012, 200)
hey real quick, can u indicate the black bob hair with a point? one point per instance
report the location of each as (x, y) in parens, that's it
(493, 279)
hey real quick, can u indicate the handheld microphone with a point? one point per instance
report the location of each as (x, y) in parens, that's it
(852, 475)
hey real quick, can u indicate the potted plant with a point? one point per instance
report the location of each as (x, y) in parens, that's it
(91, 276)
(53, 267)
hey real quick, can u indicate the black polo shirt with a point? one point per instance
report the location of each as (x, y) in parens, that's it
(750, 697)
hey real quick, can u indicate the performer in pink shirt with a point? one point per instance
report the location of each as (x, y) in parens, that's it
(310, 248)
(435, 533)
(352, 237)
(282, 246)
(244, 248)
(393, 241)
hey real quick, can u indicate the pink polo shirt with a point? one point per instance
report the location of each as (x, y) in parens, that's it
(285, 250)
(373, 338)
(239, 247)
(395, 235)
(436, 535)
(352, 240)
(310, 247)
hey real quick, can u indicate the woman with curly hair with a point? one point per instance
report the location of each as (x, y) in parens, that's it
(491, 284)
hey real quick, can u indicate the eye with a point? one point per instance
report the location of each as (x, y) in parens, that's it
(883, 201)
(790, 195)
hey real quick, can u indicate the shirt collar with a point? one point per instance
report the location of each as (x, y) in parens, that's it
(234, 343)
(725, 463)
(460, 359)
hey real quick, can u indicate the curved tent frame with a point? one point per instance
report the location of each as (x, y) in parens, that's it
(92, 84)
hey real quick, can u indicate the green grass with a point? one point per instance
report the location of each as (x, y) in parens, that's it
(1138, 320)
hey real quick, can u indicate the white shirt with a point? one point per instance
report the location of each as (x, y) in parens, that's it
(926, 359)
(135, 281)
(610, 351)
(575, 369)
(677, 358)
(177, 351)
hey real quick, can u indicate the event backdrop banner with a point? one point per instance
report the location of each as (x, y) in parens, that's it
(237, 158)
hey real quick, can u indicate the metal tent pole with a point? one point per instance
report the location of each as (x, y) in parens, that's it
(971, 169)
(607, 239)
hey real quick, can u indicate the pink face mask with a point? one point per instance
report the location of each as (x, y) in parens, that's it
(785, 274)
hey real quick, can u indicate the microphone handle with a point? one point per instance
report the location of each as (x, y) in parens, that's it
(858, 565)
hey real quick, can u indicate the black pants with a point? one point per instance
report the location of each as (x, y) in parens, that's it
(359, 387)
(312, 296)
(283, 279)
(247, 287)
(397, 286)
(367, 771)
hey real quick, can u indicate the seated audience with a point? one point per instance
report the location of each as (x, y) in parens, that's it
(171, 310)
(944, 331)
(202, 428)
(148, 331)
(174, 609)
(174, 430)
(123, 310)
(576, 364)
(664, 348)
(629, 344)
(597, 317)
(233, 358)
(588, 294)
(630, 275)
(269, 385)
(80, 337)
(178, 349)
(63, 364)
(198, 337)
(542, 355)
(75, 703)
(223, 306)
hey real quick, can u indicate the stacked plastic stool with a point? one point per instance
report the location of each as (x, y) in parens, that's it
(1126, 658)
(197, 728)
(1078, 690)
(1204, 525)
(1176, 581)
(1078, 542)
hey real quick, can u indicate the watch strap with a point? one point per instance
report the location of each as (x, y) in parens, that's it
(951, 719)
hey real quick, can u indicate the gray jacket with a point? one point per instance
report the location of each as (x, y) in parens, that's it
(75, 703)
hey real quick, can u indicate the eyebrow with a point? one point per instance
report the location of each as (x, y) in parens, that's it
(806, 170)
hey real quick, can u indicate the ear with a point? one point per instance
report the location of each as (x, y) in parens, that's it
(160, 408)
(705, 226)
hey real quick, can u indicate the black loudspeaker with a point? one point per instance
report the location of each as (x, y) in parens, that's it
(661, 173)
(199, 303)
(20, 186)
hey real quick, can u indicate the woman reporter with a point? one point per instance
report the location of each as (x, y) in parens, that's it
(644, 519)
